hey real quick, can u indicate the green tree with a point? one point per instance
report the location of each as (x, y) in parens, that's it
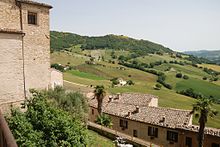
(99, 95)
(203, 108)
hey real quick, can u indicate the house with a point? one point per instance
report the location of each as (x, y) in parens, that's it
(24, 49)
(138, 115)
(122, 82)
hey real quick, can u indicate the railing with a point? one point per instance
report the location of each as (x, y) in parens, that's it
(125, 136)
(6, 137)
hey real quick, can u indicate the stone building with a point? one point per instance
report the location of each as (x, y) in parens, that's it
(138, 115)
(24, 48)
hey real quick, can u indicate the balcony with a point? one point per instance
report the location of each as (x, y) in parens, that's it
(6, 137)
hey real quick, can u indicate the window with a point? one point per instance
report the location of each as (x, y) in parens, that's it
(152, 131)
(188, 141)
(135, 133)
(123, 124)
(215, 145)
(32, 18)
(172, 136)
(92, 111)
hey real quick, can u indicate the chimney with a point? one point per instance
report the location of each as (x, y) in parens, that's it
(110, 99)
(129, 114)
(118, 96)
(162, 120)
(137, 109)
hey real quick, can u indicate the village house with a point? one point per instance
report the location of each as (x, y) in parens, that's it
(24, 50)
(138, 115)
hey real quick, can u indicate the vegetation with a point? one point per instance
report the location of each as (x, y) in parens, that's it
(191, 93)
(58, 67)
(44, 124)
(203, 108)
(104, 120)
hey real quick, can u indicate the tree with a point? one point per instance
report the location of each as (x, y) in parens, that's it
(203, 109)
(179, 75)
(99, 95)
(185, 77)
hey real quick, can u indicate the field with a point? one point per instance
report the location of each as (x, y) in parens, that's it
(99, 141)
(103, 71)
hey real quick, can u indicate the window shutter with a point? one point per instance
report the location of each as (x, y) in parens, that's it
(156, 132)
(121, 123)
(126, 122)
(149, 130)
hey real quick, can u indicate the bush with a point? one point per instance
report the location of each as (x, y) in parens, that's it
(157, 87)
(179, 75)
(58, 67)
(130, 82)
(104, 120)
(185, 77)
(204, 78)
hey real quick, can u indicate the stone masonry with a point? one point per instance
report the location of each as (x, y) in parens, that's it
(24, 49)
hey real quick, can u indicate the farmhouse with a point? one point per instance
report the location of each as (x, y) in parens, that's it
(138, 115)
(24, 49)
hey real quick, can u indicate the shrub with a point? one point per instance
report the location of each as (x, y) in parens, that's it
(185, 77)
(157, 87)
(130, 82)
(58, 67)
(204, 78)
(179, 75)
(104, 120)
(191, 93)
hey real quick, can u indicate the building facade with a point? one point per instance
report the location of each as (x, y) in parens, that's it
(138, 115)
(24, 48)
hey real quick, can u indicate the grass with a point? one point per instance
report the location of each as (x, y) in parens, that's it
(205, 88)
(211, 66)
(154, 57)
(85, 75)
(99, 141)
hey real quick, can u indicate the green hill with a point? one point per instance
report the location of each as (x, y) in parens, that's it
(62, 40)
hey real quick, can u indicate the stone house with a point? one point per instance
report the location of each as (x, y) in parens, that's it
(24, 48)
(138, 115)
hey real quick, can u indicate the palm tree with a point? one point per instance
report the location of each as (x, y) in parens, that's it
(202, 109)
(99, 95)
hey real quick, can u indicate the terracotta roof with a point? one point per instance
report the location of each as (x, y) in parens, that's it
(13, 31)
(126, 106)
(35, 3)
(194, 128)
(136, 99)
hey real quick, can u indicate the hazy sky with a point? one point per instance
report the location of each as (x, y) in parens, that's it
(178, 24)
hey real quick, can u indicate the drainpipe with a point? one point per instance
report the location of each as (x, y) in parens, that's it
(23, 64)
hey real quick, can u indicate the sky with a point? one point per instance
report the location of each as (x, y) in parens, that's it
(182, 25)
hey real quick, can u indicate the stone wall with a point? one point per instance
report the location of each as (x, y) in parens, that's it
(36, 48)
(56, 78)
(9, 15)
(11, 67)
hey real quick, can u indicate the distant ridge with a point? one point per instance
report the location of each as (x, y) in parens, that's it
(212, 55)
